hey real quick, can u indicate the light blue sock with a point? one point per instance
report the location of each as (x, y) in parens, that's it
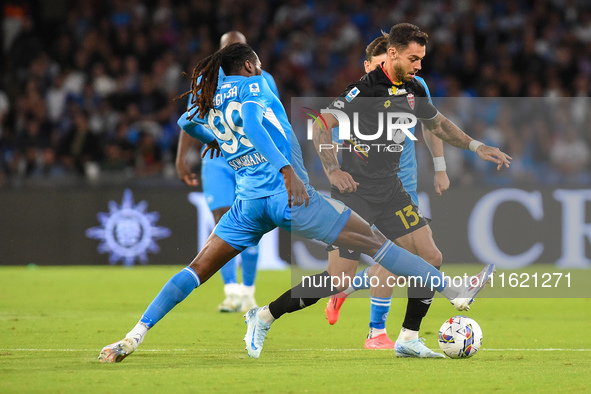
(361, 280)
(250, 256)
(403, 263)
(379, 312)
(228, 272)
(173, 292)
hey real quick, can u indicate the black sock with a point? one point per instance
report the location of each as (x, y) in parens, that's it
(286, 304)
(419, 302)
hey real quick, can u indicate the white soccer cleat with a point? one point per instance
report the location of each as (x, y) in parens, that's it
(233, 300)
(415, 348)
(466, 297)
(230, 304)
(247, 300)
(116, 352)
(256, 332)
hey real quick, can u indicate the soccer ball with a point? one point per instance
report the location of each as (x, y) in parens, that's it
(460, 337)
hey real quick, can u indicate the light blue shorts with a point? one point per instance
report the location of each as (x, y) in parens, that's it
(323, 219)
(248, 220)
(219, 182)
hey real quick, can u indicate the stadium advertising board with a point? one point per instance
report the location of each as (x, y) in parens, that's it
(510, 227)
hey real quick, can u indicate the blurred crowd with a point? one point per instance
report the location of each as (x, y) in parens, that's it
(88, 86)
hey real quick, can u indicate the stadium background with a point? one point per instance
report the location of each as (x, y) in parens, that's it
(87, 110)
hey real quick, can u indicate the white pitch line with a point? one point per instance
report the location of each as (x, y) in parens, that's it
(281, 350)
(538, 350)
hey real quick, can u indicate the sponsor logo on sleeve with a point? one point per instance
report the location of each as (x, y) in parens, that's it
(352, 94)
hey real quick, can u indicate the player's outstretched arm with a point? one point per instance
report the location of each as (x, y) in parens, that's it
(186, 143)
(322, 137)
(252, 114)
(296, 190)
(450, 133)
(435, 145)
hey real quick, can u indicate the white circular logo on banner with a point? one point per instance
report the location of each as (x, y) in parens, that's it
(128, 231)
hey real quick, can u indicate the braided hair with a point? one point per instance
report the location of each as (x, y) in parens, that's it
(231, 59)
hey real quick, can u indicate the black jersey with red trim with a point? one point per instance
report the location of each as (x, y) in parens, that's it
(370, 103)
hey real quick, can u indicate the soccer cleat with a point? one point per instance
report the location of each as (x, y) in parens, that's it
(379, 342)
(333, 308)
(415, 348)
(247, 303)
(247, 300)
(233, 300)
(256, 332)
(116, 352)
(230, 304)
(466, 297)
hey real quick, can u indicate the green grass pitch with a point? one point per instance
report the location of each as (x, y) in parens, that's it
(55, 320)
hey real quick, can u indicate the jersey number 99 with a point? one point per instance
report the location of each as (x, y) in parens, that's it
(230, 135)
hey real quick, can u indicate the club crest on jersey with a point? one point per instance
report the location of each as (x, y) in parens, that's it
(394, 91)
(254, 88)
(411, 100)
(352, 94)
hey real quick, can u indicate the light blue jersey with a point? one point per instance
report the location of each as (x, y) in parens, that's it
(255, 176)
(261, 196)
(217, 177)
(218, 180)
(271, 82)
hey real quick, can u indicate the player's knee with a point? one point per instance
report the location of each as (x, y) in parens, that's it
(375, 241)
(203, 275)
(203, 272)
(432, 256)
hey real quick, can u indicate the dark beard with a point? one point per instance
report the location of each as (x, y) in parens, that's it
(400, 74)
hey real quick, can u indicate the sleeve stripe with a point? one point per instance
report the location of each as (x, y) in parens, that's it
(431, 118)
(256, 102)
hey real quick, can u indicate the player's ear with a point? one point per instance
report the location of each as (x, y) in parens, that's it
(366, 65)
(392, 53)
(249, 67)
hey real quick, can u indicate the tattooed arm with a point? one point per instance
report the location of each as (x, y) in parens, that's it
(453, 135)
(322, 137)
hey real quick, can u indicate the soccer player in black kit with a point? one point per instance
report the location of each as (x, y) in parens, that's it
(370, 163)
(409, 232)
(366, 180)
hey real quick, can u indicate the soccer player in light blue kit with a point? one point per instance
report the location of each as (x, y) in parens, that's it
(419, 302)
(219, 186)
(250, 127)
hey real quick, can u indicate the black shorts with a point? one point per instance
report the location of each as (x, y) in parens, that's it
(398, 215)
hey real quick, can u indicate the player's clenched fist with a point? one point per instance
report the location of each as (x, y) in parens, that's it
(343, 181)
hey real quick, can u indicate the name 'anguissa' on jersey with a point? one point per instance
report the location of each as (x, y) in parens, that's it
(255, 176)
